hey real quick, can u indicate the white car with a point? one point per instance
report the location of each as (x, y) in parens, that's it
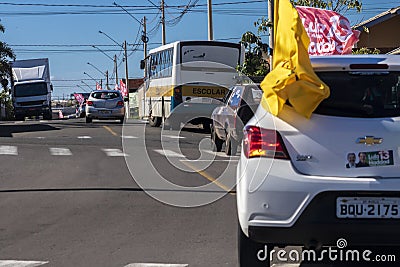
(105, 105)
(335, 176)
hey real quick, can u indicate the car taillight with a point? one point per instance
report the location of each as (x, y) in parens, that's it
(120, 104)
(259, 142)
(89, 103)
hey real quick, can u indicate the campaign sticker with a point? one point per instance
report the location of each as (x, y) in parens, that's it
(370, 159)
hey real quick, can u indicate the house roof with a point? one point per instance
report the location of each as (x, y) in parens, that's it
(378, 18)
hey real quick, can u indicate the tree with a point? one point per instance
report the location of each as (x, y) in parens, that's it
(6, 54)
(255, 63)
(340, 6)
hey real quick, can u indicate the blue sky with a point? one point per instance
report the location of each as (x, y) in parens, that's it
(65, 33)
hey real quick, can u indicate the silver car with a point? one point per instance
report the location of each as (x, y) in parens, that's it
(105, 104)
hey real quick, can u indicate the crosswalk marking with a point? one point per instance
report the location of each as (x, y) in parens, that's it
(63, 151)
(60, 151)
(84, 137)
(13, 263)
(114, 152)
(169, 153)
(173, 136)
(156, 265)
(8, 150)
(129, 137)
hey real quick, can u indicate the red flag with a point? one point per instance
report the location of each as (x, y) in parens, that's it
(98, 86)
(79, 98)
(123, 88)
(330, 33)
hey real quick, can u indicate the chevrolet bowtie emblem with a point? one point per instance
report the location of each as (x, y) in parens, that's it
(369, 140)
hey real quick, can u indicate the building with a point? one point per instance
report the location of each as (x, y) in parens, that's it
(381, 32)
(133, 86)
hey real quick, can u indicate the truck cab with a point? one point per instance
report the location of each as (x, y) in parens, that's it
(31, 88)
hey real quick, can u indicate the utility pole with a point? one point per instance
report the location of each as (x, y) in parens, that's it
(106, 79)
(163, 43)
(163, 22)
(126, 64)
(144, 39)
(116, 69)
(210, 23)
(271, 30)
(126, 77)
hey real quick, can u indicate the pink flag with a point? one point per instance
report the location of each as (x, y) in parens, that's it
(330, 33)
(79, 98)
(123, 88)
(98, 86)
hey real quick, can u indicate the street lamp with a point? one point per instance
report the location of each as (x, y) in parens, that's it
(96, 68)
(115, 62)
(145, 39)
(84, 89)
(89, 76)
(102, 73)
(101, 80)
(125, 56)
(87, 85)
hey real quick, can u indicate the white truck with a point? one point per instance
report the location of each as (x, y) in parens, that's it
(31, 88)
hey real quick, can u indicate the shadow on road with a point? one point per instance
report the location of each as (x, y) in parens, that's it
(9, 130)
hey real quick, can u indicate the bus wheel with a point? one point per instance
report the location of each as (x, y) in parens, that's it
(155, 121)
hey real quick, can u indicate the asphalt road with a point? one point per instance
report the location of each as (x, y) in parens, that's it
(70, 196)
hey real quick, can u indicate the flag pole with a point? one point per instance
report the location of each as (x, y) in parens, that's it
(271, 30)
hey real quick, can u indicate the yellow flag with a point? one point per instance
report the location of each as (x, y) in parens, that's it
(292, 77)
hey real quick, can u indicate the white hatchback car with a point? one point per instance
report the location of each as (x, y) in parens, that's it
(335, 176)
(105, 105)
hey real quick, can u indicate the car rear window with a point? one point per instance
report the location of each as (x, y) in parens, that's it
(361, 94)
(105, 95)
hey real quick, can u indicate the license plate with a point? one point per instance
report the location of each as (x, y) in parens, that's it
(368, 207)
(105, 112)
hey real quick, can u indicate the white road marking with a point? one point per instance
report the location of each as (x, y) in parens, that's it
(212, 160)
(8, 150)
(60, 151)
(114, 152)
(173, 136)
(169, 153)
(220, 154)
(156, 265)
(13, 263)
(129, 137)
(43, 121)
(286, 265)
(84, 137)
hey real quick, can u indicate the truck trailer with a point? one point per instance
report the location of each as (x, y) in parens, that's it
(31, 88)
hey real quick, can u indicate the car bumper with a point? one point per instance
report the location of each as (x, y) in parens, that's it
(31, 111)
(282, 206)
(116, 113)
